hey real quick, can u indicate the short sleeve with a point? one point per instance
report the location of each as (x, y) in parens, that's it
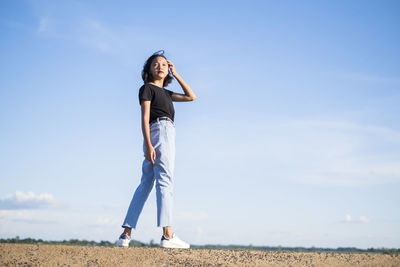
(146, 93)
(169, 92)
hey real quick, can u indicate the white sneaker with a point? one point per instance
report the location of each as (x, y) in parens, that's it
(123, 241)
(174, 242)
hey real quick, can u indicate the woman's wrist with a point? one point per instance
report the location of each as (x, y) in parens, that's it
(148, 145)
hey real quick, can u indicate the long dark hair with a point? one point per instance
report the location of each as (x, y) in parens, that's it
(146, 74)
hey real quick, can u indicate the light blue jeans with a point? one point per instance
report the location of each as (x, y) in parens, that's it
(162, 136)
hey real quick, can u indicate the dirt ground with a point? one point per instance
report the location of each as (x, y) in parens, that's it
(63, 255)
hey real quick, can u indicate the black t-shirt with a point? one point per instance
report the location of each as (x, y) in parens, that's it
(161, 101)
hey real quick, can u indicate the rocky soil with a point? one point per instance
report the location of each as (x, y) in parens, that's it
(64, 255)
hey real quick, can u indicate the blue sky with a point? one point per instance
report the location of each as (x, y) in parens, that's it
(294, 138)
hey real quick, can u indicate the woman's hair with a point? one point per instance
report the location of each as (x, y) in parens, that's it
(146, 74)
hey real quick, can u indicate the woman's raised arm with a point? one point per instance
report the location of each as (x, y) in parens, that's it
(189, 95)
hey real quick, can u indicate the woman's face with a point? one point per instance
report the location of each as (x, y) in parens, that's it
(159, 68)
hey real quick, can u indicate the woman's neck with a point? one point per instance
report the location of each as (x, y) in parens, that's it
(158, 83)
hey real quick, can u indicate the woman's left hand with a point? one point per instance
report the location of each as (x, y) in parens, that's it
(171, 67)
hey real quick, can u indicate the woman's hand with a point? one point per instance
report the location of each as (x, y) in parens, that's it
(150, 154)
(171, 67)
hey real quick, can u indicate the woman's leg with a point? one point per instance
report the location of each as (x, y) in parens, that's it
(143, 190)
(163, 174)
(127, 231)
(167, 231)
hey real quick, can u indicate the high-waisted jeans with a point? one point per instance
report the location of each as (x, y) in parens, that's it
(162, 136)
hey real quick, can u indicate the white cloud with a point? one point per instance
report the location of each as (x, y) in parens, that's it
(104, 221)
(97, 35)
(11, 214)
(314, 151)
(29, 200)
(350, 219)
(340, 153)
(116, 40)
(44, 25)
(191, 215)
(363, 219)
(23, 216)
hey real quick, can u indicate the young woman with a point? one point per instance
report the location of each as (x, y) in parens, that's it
(158, 128)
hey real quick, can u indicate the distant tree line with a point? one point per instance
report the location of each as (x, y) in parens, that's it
(302, 249)
(18, 240)
(135, 243)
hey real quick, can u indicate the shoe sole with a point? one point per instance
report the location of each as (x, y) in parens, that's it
(166, 246)
(122, 244)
